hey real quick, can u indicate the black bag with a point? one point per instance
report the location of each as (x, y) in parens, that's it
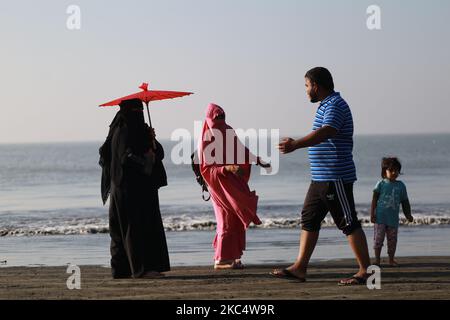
(198, 175)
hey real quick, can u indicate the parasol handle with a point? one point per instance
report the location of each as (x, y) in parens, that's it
(150, 124)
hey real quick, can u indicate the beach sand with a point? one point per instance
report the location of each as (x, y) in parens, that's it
(417, 278)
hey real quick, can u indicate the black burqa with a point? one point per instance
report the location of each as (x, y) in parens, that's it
(138, 241)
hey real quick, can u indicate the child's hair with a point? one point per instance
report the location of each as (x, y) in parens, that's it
(390, 163)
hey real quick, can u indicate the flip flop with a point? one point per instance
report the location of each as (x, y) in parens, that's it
(353, 281)
(286, 274)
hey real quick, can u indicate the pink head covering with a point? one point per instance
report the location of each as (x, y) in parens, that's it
(231, 142)
(212, 112)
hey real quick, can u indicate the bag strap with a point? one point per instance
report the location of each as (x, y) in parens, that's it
(203, 195)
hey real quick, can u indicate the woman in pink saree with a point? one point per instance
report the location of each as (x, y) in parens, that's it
(225, 166)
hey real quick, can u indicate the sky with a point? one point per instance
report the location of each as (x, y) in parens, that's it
(248, 56)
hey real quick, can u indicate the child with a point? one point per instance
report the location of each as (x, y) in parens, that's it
(387, 196)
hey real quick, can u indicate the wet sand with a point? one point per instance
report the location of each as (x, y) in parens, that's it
(416, 278)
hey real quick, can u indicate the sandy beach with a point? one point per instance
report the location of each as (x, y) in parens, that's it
(417, 278)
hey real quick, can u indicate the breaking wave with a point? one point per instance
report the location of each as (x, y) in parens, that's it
(83, 226)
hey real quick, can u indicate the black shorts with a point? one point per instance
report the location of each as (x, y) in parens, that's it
(335, 197)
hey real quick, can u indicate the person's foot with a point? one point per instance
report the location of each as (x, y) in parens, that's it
(355, 280)
(228, 264)
(377, 262)
(362, 274)
(238, 263)
(223, 262)
(289, 273)
(393, 263)
(359, 278)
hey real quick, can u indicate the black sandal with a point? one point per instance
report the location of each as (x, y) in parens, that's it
(353, 281)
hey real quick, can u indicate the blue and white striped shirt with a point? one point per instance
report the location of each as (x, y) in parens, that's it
(332, 160)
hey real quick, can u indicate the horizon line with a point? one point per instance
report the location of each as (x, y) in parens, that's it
(168, 138)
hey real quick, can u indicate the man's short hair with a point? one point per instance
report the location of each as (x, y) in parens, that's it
(322, 77)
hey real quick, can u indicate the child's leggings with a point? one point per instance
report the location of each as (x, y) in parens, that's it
(380, 232)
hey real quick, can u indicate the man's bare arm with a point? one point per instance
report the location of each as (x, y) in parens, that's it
(288, 145)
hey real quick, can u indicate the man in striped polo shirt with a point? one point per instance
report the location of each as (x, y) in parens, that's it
(333, 174)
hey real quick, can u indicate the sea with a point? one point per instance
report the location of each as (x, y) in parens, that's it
(51, 211)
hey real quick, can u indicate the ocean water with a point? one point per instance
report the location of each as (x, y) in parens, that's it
(53, 190)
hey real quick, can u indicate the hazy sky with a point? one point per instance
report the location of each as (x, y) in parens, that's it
(249, 56)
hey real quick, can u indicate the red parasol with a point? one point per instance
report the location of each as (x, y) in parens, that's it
(146, 96)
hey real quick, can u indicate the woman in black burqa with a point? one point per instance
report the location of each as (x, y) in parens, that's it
(132, 174)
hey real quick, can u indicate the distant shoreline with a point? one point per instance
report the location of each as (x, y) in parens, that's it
(168, 139)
